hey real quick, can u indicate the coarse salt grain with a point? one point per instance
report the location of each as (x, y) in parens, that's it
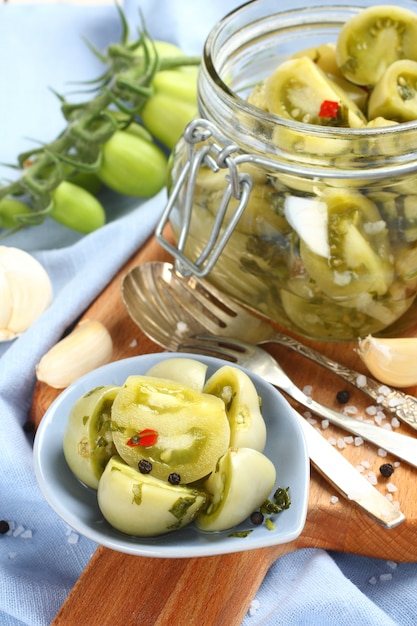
(395, 422)
(382, 452)
(133, 343)
(360, 468)
(311, 420)
(334, 500)
(384, 577)
(12, 555)
(27, 534)
(332, 441)
(324, 424)
(372, 580)
(391, 487)
(73, 538)
(350, 409)
(308, 389)
(387, 426)
(18, 531)
(358, 441)
(366, 464)
(392, 564)
(371, 410)
(397, 463)
(361, 380)
(384, 390)
(182, 328)
(254, 606)
(389, 497)
(341, 444)
(371, 477)
(348, 439)
(393, 402)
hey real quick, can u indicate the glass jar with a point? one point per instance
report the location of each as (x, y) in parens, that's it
(253, 196)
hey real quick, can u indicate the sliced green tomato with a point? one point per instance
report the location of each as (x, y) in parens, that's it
(88, 443)
(141, 505)
(374, 39)
(189, 372)
(192, 429)
(241, 483)
(235, 388)
(359, 254)
(324, 56)
(297, 90)
(395, 94)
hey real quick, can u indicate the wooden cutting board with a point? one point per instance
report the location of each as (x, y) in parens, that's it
(118, 589)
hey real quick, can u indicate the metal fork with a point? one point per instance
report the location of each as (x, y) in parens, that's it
(332, 465)
(258, 360)
(158, 298)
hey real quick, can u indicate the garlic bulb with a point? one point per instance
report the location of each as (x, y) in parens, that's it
(25, 291)
(393, 361)
(88, 346)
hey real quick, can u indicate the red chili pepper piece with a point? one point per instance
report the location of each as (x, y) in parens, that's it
(145, 438)
(329, 108)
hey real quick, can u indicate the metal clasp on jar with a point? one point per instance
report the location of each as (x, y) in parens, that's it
(217, 155)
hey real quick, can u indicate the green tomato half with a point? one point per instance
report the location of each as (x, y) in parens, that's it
(372, 40)
(242, 482)
(88, 442)
(235, 388)
(179, 430)
(189, 372)
(141, 505)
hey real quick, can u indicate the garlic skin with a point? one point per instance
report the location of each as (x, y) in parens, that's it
(392, 361)
(25, 291)
(87, 347)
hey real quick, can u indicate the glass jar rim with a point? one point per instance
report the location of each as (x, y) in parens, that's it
(237, 101)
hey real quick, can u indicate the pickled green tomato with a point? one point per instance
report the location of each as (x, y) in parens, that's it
(189, 372)
(241, 483)
(395, 94)
(191, 428)
(141, 505)
(355, 256)
(88, 443)
(297, 89)
(235, 388)
(374, 39)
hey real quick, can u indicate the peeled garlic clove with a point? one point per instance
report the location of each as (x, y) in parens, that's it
(242, 482)
(392, 361)
(88, 346)
(25, 291)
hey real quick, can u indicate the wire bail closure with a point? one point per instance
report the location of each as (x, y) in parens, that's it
(217, 155)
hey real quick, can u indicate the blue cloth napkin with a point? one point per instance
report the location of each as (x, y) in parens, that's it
(41, 557)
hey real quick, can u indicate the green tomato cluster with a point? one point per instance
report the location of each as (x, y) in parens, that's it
(168, 448)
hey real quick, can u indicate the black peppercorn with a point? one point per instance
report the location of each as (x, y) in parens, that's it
(174, 478)
(144, 466)
(4, 527)
(386, 470)
(257, 518)
(343, 396)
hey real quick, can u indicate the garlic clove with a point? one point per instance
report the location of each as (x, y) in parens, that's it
(392, 361)
(25, 291)
(5, 301)
(87, 347)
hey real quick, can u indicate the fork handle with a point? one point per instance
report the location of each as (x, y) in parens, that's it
(397, 402)
(401, 446)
